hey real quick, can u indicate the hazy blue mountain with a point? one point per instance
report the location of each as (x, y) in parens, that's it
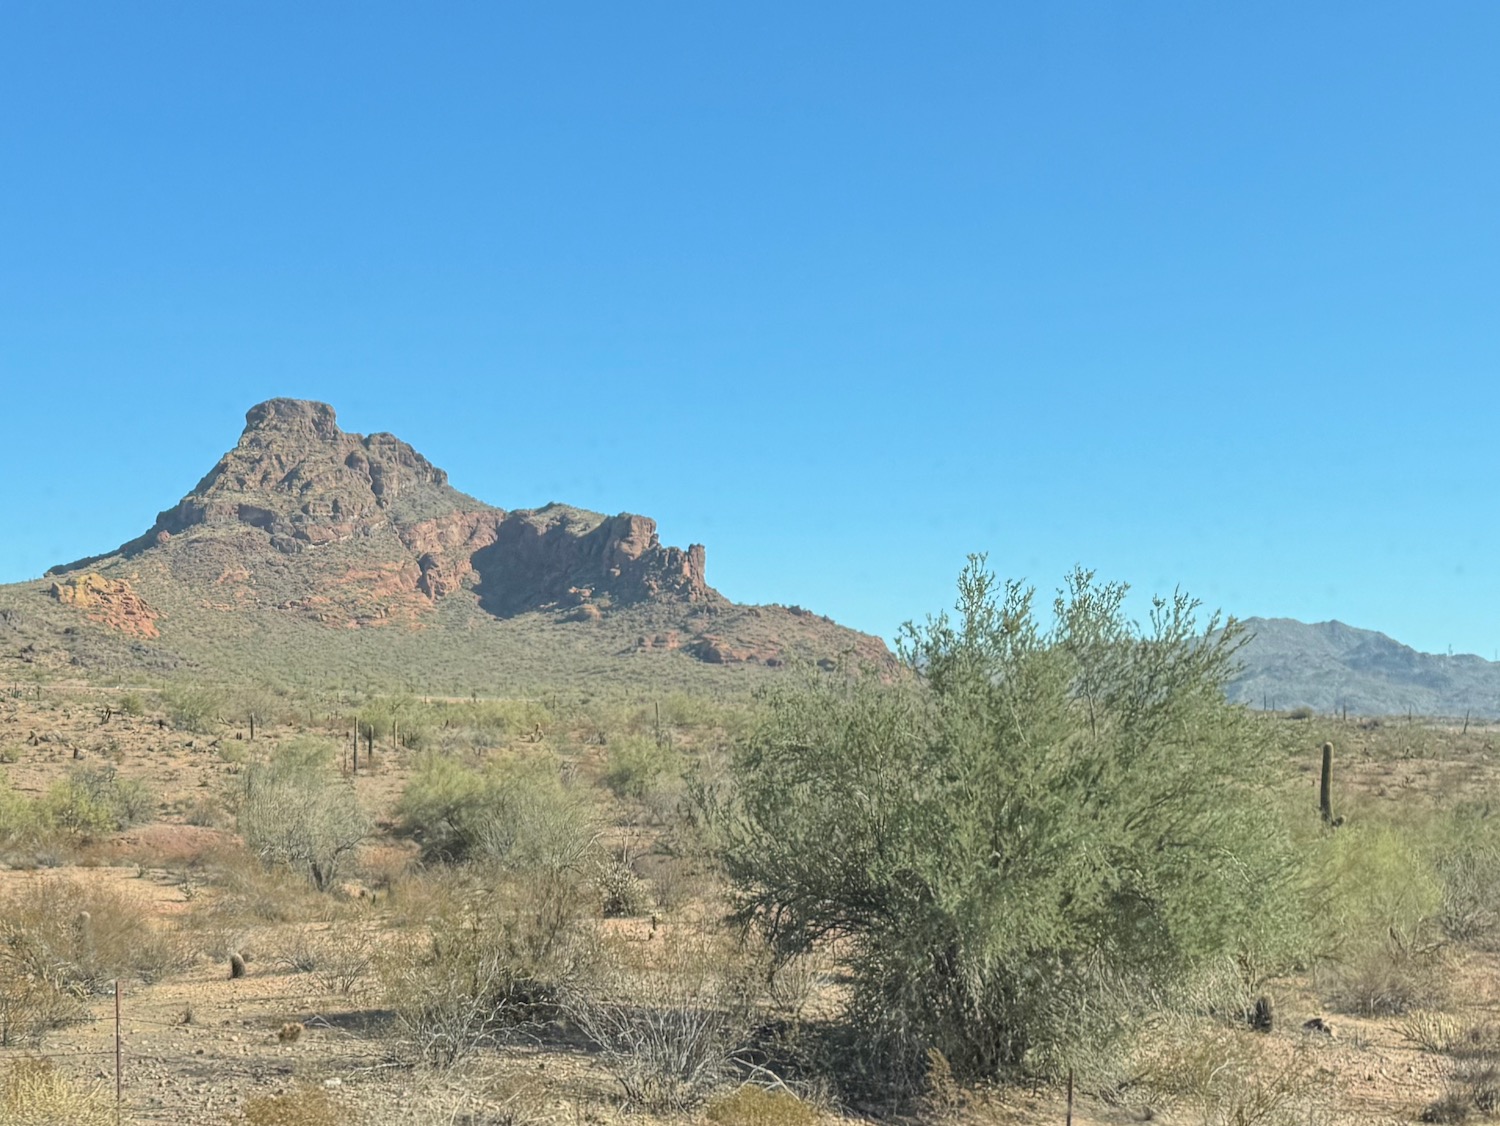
(1329, 666)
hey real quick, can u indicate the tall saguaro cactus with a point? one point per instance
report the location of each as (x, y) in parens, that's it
(1325, 785)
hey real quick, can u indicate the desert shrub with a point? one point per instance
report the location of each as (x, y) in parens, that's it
(516, 813)
(1377, 910)
(198, 710)
(95, 799)
(1232, 1079)
(343, 963)
(19, 818)
(1468, 866)
(295, 812)
(1022, 837)
(306, 1106)
(131, 704)
(489, 964)
(637, 766)
(668, 1031)
(61, 939)
(755, 1106)
(34, 1093)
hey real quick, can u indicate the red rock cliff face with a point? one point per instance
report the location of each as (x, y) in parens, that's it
(309, 487)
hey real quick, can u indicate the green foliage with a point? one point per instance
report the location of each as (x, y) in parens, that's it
(94, 800)
(1031, 834)
(516, 813)
(193, 709)
(637, 766)
(295, 812)
(18, 817)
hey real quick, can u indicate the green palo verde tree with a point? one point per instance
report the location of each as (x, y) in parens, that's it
(1024, 841)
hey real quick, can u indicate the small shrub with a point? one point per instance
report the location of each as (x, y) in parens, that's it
(197, 710)
(94, 800)
(307, 1106)
(19, 818)
(489, 963)
(668, 1033)
(82, 937)
(343, 963)
(131, 704)
(33, 1093)
(1390, 978)
(299, 953)
(637, 766)
(1231, 1079)
(756, 1106)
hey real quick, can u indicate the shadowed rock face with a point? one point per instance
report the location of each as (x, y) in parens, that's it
(307, 486)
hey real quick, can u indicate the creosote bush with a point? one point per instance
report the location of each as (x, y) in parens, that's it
(1020, 841)
(516, 813)
(295, 812)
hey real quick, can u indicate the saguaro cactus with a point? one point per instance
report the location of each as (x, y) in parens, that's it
(1325, 785)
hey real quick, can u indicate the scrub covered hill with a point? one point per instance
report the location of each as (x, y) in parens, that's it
(314, 556)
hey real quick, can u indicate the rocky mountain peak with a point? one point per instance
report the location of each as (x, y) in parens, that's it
(293, 415)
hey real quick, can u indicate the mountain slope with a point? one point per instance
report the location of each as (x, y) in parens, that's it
(1330, 666)
(310, 554)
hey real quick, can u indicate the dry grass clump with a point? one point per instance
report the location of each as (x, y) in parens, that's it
(339, 962)
(1229, 1077)
(306, 1106)
(755, 1106)
(83, 936)
(33, 1093)
(486, 961)
(1391, 978)
(668, 1021)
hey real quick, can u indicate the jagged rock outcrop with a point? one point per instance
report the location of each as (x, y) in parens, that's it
(302, 517)
(110, 602)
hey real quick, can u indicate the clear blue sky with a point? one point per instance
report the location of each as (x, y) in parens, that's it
(1197, 295)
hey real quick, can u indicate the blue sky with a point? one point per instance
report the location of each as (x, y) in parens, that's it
(1194, 295)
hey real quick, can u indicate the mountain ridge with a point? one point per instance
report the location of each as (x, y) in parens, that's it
(1331, 666)
(303, 527)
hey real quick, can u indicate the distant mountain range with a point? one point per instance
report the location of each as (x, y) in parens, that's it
(1331, 667)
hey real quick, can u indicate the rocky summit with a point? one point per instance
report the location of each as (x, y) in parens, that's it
(303, 530)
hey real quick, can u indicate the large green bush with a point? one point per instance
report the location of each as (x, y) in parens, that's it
(1030, 836)
(516, 812)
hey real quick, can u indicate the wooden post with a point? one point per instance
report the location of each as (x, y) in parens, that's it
(1070, 1096)
(119, 1071)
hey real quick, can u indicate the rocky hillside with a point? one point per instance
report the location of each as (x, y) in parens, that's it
(1330, 667)
(303, 538)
